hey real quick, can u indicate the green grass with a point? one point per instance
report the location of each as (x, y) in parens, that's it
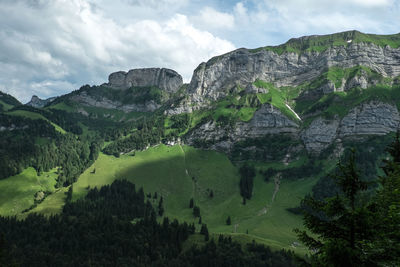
(6, 106)
(162, 169)
(35, 116)
(51, 205)
(179, 173)
(340, 103)
(278, 97)
(320, 43)
(62, 106)
(17, 192)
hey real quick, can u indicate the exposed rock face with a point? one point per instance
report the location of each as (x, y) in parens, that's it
(214, 79)
(165, 79)
(266, 120)
(373, 118)
(320, 134)
(39, 103)
(103, 102)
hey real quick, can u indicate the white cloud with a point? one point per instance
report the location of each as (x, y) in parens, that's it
(211, 18)
(52, 47)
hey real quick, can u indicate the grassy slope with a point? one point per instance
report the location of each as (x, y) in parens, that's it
(35, 116)
(162, 169)
(320, 43)
(6, 106)
(17, 192)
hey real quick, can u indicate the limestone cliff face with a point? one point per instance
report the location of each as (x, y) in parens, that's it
(39, 103)
(373, 118)
(165, 79)
(216, 78)
(266, 120)
(103, 102)
(301, 61)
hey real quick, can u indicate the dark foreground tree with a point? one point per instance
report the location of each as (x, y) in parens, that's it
(385, 247)
(247, 174)
(341, 224)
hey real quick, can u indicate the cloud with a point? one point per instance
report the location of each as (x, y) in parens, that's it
(53, 47)
(213, 19)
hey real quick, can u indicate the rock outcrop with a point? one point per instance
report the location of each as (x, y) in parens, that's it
(39, 103)
(166, 79)
(216, 78)
(266, 120)
(372, 118)
(103, 102)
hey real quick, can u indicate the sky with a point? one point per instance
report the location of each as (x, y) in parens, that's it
(52, 47)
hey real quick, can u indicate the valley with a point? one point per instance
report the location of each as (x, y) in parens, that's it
(234, 154)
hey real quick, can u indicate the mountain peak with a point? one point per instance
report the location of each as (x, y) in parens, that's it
(165, 79)
(38, 102)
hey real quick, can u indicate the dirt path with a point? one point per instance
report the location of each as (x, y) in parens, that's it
(187, 172)
(277, 182)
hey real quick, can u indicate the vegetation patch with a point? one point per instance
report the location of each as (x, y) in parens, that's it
(320, 43)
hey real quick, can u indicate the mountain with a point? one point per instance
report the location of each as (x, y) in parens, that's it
(39, 103)
(7, 101)
(284, 113)
(138, 90)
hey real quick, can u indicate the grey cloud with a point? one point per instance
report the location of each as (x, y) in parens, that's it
(52, 47)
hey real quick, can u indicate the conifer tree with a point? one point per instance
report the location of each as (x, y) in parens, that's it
(341, 224)
(385, 247)
(204, 231)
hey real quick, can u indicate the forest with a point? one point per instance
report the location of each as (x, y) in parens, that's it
(117, 226)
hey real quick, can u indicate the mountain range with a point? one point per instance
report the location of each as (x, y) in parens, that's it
(288, 111)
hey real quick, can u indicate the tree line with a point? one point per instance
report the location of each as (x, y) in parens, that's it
(116, 226)
(359, 224)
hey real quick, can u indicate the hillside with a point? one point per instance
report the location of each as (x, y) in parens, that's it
(288, 113)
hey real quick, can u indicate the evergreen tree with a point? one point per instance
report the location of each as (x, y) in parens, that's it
(342, 224)
(385, 247)
(247, 174)
(196, 211)
(228, 221)
(204, 231)
(200, 220)
(160, 207)
(191, 203)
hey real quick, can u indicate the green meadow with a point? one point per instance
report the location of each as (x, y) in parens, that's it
(17, 192)
(178, 173)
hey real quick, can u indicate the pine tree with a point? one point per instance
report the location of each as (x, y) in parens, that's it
(191, 203)
(204, 231)
(160, 207)
(196, 211)
(385, 247)
(341, 223)
(228, 221)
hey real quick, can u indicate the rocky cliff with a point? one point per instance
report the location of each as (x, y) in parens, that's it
(39, 103)
(139, 90)
(166, 79)
(219, 76)
(317, 90)
(311, 72)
